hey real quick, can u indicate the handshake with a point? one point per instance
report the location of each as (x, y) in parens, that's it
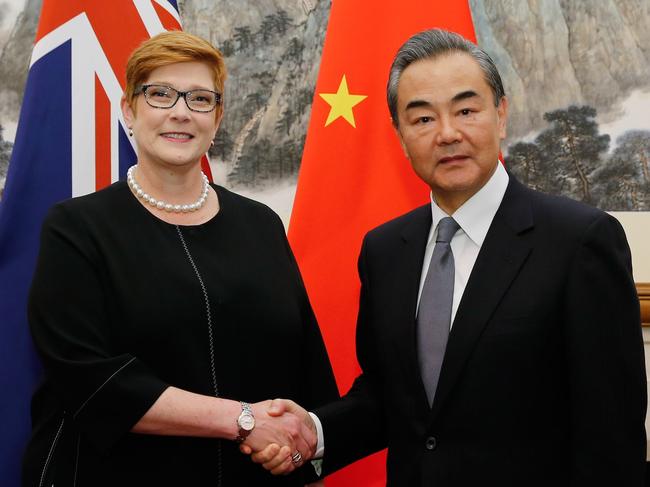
(284, 436)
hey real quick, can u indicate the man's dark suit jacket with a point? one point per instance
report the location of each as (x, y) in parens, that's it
(543, 380)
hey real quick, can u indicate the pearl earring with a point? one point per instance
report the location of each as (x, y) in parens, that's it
(130, 132)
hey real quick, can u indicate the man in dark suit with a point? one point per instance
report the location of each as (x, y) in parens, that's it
(508, 351)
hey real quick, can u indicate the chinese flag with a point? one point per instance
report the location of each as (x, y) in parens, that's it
(354, 175)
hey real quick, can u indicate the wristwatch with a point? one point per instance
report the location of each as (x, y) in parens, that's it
(245, 422)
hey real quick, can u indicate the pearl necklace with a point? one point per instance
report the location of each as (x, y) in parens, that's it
(161, 205)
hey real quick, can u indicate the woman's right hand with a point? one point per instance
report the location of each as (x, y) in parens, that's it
(285, 430)
(277, 456)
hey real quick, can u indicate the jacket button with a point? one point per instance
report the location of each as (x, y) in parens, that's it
(431, 443)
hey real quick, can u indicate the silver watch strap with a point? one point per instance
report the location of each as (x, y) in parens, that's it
(242, 433)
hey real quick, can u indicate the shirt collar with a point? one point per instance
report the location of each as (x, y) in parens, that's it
(475, 215)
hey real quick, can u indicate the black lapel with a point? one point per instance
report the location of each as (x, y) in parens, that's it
(505, 249)
(414, 237)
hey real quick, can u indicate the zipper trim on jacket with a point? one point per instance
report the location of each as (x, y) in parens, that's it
(76, 462)
(74, 416)
(49, 454)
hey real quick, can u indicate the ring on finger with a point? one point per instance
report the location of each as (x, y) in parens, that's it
(296, 457)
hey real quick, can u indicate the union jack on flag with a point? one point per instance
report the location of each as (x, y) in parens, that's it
(70, 141)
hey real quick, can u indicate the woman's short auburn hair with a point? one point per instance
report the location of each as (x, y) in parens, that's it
(169, 48)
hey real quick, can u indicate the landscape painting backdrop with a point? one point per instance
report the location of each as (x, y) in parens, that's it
(577, 75)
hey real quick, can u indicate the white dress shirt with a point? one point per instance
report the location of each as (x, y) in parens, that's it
(474, 218)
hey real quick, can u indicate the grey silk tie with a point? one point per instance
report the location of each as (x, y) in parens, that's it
(434, 312)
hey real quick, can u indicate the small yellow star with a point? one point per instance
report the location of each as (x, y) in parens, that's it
(341, 103)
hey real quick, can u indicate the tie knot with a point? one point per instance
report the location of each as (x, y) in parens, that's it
(447, 227)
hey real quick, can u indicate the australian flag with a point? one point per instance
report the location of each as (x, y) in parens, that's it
(70, 141)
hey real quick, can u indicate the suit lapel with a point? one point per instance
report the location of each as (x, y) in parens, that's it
(505, 249)
(414, 237)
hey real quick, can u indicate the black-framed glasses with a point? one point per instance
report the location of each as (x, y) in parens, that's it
(161, 96)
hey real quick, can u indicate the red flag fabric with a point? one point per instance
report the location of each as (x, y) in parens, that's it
(354, 175)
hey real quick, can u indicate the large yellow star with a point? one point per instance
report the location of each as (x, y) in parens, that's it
(341, 103)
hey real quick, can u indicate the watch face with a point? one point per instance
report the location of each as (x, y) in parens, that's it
(246, 422)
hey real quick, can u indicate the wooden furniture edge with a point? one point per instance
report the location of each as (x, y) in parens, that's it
(643, 290)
